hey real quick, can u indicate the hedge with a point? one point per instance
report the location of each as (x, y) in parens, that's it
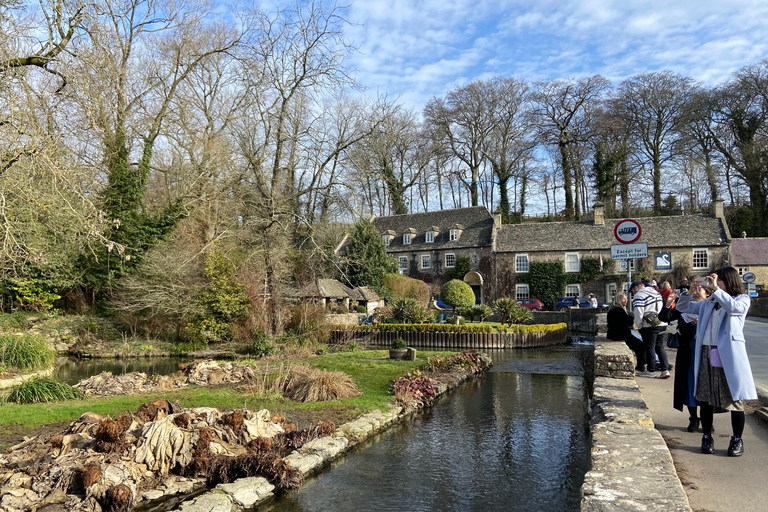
(518, 329)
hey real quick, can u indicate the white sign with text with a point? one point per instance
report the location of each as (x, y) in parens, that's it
(629, 251)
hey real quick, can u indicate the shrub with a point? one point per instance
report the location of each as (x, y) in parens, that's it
(32, 296)
(404, 287)
(399, 344)
(414, 389)
(262, 344)
(42, 389)
(511, 312)
(382, 313)
(457, 294)
(306, 384)
(307, 318)
(408, 311)
(466, 313)
(26, 353)
(361, 309)
(481, 312)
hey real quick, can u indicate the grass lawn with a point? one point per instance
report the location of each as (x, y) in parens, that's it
(371, 371)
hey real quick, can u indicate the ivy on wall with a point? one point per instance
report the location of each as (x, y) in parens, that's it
(546, 280)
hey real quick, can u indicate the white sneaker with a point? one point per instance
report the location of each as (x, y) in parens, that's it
(664, 375)
(645, 374)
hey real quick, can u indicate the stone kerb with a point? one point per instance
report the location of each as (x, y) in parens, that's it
(631, 467)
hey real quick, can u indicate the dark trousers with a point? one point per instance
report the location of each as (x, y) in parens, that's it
(653, 339)
(638, 347)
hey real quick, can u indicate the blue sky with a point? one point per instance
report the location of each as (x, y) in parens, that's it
(418, 49)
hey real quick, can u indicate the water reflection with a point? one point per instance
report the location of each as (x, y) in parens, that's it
(517, 439)
(72, 370)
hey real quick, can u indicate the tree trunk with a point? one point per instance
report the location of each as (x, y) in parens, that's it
(567, 179)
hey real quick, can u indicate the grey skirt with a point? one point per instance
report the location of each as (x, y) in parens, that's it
(712, 386)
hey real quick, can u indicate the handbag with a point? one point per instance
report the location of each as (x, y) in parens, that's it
(673, 340)
(714, 358)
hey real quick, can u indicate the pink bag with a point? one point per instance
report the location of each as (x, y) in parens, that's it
(714, 358)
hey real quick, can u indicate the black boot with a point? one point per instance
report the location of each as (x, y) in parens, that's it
(707, 444)
(693, 424)
(736, 448)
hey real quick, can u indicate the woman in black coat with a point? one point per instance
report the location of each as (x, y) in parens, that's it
(620, 325)
(684, 377)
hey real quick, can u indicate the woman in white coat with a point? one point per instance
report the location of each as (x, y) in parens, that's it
(723, 375)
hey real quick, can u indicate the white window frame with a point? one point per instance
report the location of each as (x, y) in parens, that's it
(449, 265)
(570, 293)
(400, 261)
(522, 292)
(611, 289)
(428, 259)
(578, 262)
(527, 264)
(454, 235)
(386, 239)
(406, 239)
(742, 270)
(693, 258)
(430, 237)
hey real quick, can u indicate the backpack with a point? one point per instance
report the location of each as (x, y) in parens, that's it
(652, 318)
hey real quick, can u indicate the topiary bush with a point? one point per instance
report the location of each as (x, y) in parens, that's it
(457, 294)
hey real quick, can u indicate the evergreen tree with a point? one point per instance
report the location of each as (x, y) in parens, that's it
(365, 261)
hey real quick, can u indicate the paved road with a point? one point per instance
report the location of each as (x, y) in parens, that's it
(756, 333)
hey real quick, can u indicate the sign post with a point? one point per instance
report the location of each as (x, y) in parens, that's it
(627, 232)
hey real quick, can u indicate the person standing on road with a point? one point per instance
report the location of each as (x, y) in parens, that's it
(685, 377)
(592, 301)
(646, 305)
(723, 375)
(620, 325)
(575, 302)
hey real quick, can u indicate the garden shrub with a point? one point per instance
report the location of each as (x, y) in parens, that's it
(404, 287)
(457, 294)
(408, 311)
(511, 312)
(41, 389)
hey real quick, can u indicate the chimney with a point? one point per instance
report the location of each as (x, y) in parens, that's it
(719, 208)
(599, 214)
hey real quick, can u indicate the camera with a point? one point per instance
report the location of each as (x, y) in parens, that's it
(702, 281)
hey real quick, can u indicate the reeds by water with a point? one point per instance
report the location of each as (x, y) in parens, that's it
(25, 353)
(41, 389)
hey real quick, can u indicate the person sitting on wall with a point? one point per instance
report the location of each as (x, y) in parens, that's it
(620, 329)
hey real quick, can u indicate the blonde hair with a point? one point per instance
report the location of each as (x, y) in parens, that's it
(665, 285)
(617, 300)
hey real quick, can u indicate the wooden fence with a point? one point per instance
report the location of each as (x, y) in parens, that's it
(451, 339)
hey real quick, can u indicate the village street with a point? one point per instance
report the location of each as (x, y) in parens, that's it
(717, 483)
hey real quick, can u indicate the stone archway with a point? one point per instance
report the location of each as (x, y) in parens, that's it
(475, 281)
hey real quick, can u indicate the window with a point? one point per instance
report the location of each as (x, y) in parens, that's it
(700, 258)
(572, 262)
(402, 262)
(450, 260)
(386, 240)
(454, 234)
(430, 237)
(572, 290)
(426, 262)
(406, 239)
(624, 263)
(522, 292)
(521, 263)
(611, 291)
(743, 270)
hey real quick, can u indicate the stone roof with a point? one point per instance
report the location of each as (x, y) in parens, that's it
(477, 224)
(657, 232)
(749, 251)
(333, 289)
(363, 293)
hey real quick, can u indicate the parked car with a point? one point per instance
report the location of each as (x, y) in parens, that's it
(532, 304)
(443, 305)
(567, 302)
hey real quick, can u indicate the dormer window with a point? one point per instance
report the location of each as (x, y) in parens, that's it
(455, 232)
(431, 234)
(406, 239)
(388, 236)
(386, 239)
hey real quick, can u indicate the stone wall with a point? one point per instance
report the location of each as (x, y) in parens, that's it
(631, 468)
(759, 307)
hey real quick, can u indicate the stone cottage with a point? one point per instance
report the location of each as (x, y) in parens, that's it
(751, 255)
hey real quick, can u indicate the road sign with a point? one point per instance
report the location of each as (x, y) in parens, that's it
(748, 277)
(627, 231)
(629, 251)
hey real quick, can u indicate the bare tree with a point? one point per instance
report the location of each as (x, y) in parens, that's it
(564, 109)
(653, 105)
